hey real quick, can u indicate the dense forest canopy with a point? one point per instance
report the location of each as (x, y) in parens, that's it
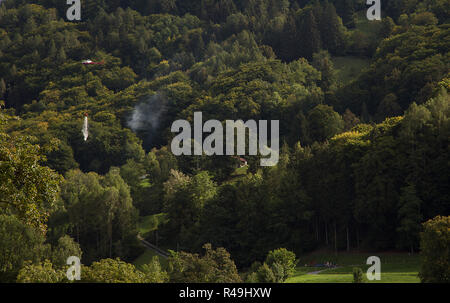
(364, 158)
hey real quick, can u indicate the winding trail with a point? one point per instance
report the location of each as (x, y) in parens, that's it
(319, 271)
(156, 249)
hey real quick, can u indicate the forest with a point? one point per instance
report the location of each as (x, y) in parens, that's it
(363, 108)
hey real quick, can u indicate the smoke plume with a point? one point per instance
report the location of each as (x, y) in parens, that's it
(85, 129)
(145, 119)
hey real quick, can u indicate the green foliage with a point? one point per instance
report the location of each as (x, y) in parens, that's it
(113, 271)
(283, 259)
(349, 68)
(322, 62)
(41, 273)
(215, 266)
(411, 73)
(435, 249)
(279, 265)
(265, 274)
(324, 122)
(410, 216)
(27, 189)
(184, 201)
(332, 30)
(154, 273)
(99, 214)
(370, 186)
(18, 243)
(358, 275)
(65, 248)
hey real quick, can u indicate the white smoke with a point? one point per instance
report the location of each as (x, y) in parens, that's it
(85, 129)
(146, 116)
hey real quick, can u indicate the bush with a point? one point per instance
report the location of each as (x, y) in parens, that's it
(112, 271)
(358, 275)
(282, 263)
(279, 265)
(435, 250)
(154, 273)
(264, 274)
(216, 266)
(41, 273)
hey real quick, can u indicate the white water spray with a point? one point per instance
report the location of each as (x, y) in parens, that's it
(85, 128)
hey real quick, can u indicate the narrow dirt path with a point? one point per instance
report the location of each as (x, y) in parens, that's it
(319, 271)
(156, 249)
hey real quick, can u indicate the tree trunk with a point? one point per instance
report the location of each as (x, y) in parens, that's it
(317, 230)
(110, 239)
(335, 237)
(348, 240)
(357, 238)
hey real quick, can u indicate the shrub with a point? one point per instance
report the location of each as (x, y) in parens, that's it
(282, 263)
(435, 250)
(358, 275)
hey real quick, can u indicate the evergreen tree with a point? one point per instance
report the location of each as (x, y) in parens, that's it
(52, 50)
(346, 10)
(61, 57)
(2, 88)
(435, 246)
(387, 26)
(30, 25)
(322, 62)
(288, 44)
(409, 217)
(331, 29)
(309, 35)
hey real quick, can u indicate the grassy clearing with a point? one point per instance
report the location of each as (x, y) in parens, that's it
(347, 278)
(240, 171)
(368, 27)
(347, 259)
(150, 223)
(349, 68)
(237, 175)
(395, 268)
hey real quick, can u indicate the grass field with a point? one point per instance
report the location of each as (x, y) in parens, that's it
(150, 223)
(349, 68)
(240, 171)
(395, 268)
(369, 27)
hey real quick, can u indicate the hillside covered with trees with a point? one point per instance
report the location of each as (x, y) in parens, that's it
(364, 158)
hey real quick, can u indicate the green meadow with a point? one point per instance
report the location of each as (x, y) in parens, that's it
(349, 68)
(395, 268)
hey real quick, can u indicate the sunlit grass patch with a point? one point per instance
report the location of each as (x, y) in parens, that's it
(395, 268)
